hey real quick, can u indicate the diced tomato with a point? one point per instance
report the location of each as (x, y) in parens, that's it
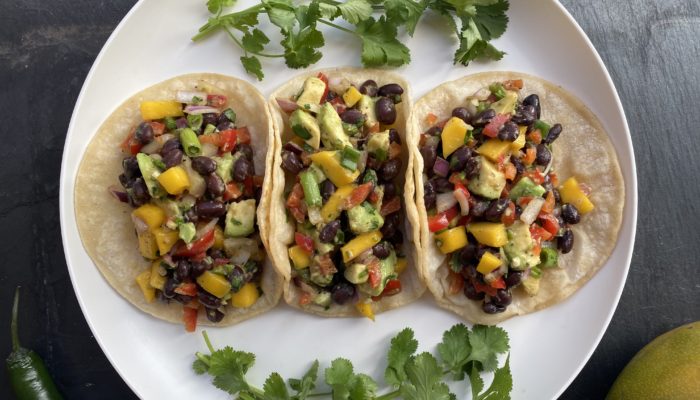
(216, 100)
(394, 150)
(535, 175)
(510, 171)
(374, 272)
(481, 288)
(458, 178)
(508, 216)
(227, 140)
(248, 186)
(374, 128)
(499, 283)
(304, 241)
(339, 105)
(525, 200)
(554, 179)
(513, 84)
(198, 257)
(187, 289)
(189, 318)
(460, 187)
(535, 136)
(243, 135)
(456, 282)
(393, 286)
(537, 249)
(233, 191)
(158, 128)
(258, 181)
(131, 145)
(324, 78)
(550, 223)
(200, 245)
(442, 220)
(391, 206)
(548, 205)
(295, 204)
(358, 195)
(530, 155)
(491, 129)
(431, 119)
(538, 233)
(304, 299)
(373, 197)
(464, 220)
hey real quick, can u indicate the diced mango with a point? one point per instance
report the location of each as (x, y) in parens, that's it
(174, 180)
(488, 263)
(494, 149)
(351, 96)
(215, 284)
(571, 193)
(401, 264)
(519, 143)
(365, 309)
(300, 258)
(151, 110)
(218, 238)
(489, 233)
(142, 280)
(453, 134)
(157, 281)
(333, 207)
(147, 245)
(245, 297)
(359, 244)
(451, 239)
(329, 162)
(165, 239)
(151, 214)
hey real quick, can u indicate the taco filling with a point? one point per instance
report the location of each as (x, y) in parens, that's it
(188, 174)
(341, 165)
(496, 207)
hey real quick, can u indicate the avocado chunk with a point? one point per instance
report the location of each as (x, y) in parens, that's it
(490, 181)
(387, 268)
(187, 231)
(240, 219)
(526, 187)
(364, 218)
(378, 145)
(150, 173)
(305, 126)
(316, 273)
(323, 299)
(332, 133)
(366, 106)
(519, 248)
(224, 166)
(506, 105)
(356, 273)
(531, 285)
(312, 94)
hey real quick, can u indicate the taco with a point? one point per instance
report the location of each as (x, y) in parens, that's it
(187, 158)
(342, 174)
(519, 194)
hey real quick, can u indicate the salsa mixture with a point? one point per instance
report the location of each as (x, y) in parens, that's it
(495, 205)
(189, 175)
(342, 163)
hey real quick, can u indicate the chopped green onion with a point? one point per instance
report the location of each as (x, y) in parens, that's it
(350, 158)
(456, 262)
(483, 105)
(548, 258)
(312, 193)
(370, 176)
(209, 129)
(498, 90)
(195, 121)
(535, 272)
(170, 123)
(230, 114)
(190, 142)
(300, 131)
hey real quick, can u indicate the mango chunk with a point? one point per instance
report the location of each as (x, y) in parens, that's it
(151, 110)
(519, 143)
(489, 233)
(143, 279)
(571, 193)
(157, 281)
(148, 247)
(245, 297)
(365, 309)
(494, 149)
(453, 134)
(329, 162)
(151, 214)
(359, 244)
(218, 238)
(215, 284)
(165, 239)
(488, 263)
(300, 258)
(451, 239)
(174, 180)
(351, 96)
(333, 207)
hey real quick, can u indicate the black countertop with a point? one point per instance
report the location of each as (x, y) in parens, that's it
(650, 47)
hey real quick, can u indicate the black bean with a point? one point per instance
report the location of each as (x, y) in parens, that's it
(429, 196)
(291, 162)
(170, 145)
(369, 87)
(483, 117)
(429, 154)
(385, 110)
(472, 167)
(434, 131)
(210, 209)
(342, 292)
(215, 185)
(468, 253)
(144, 133)
(125, 182)
(238, 278)
(519, 167)
(214, 315)
(391, 225)
(543, 155)
(569, 214)
(198, 267)
(557, 196)
(328, 232)
(139, 192)
(471, 293)
(524, 115)
(381, 250)
(209, 119)
(182, 271)
(441, 185)
(514, 278)
(391, 89)
(208, 300)
(390, 169)
(469, 272)
(533, 100)
(458, 159)
(389, 191)
(352, 116)
(502, 297)
(131, 167)
(509, 131)
(492, 308)
(461, 113)
(496, 209)
(246, 150)
(327, 189)
(373, 163)
(294, 148)
(553, 134)
(566, 241)
(479, 208)
(242, 169)
(397, 238)
(169, 288)
(203, 165)
(394, 136)
(172, 158)
(225, 125)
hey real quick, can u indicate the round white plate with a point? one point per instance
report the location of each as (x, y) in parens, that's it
(152, 43)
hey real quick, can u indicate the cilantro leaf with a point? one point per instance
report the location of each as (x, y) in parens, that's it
(403, 346)
(255, 42)
(275, 388)
(362, 387)
(252, 66)
(300, 46)
(502, 384)
(455, 349)
(200, 367)
(216, 6)
(491, 20)
(380, 45)
(405, 12)
(281, 13)
(229, 368)
(424, 380)
(355, 11)
(487, 342)
(328, 11)
(477, 384)
(307, 383)
(338, 377)
(468, 8)
(472, 46)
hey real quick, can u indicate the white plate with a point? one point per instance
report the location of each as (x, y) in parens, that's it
(152, 43)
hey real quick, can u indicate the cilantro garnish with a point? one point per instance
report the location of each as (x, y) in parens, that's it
(463, 353)
(378, 25)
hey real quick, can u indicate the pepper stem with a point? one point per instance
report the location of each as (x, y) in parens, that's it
(13, 324)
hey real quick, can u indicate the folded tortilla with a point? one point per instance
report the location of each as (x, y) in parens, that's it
(104, 223)
(282, 229)
(583, 150)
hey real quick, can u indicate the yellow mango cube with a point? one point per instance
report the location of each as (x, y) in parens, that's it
(453, 134)
(351, 96)
(143, 280)
(300, 258)
(571, 193)
(218, 238)
(151, 214)
(174, 180)
(489, 233)
(366, 310)
(157, 281)
(401, 264)
(451, 239)
(165, 239)
(519, 143)
(488, 263)
(494, 149)
(147, 245)
(151, 110)
(245, 297)
(333, 207)
(330, 164)
(359, 244)
(215, 284)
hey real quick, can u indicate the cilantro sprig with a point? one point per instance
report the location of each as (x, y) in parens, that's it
(462, 353)
(378, 25)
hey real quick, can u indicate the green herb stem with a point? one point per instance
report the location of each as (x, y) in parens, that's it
(390, 395)
(240, 44)
(319, 394)
(329, 23)
(208, 342)
(13, 323)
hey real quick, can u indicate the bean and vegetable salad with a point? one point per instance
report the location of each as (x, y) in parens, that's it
(341, 164)
(495, 204)
(188, 173)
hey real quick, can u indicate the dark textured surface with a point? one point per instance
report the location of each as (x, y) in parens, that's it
(46, 49)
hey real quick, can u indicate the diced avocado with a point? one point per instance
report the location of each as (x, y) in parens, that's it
(519, 248)
(332, 133)
(531, 285)
(387, 268)
(321, 248)
(490, 181)
(356, 273)
(150, 173)
(240, 219)
(305, 126)
(186, 232)
(378, 145)
(317, 173)
(323, 298)
(312, 94)
(506, 105)
(526, 187)
(171, 208)
(352, 130)
(366, 106)
(224, 166)
(364, 218)
(316, 274)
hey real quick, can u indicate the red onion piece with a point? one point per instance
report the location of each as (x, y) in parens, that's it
(441, 167)
(195, 110)
(118, 194)
(287, 105)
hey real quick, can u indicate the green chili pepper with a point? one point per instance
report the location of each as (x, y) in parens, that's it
(312, 193)
(190, 142)
(28, 375)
